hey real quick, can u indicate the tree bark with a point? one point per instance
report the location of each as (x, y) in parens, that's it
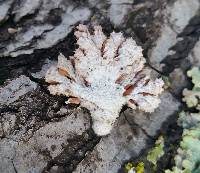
(39, 133)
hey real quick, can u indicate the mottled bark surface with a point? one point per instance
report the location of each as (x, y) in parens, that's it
(38, 132)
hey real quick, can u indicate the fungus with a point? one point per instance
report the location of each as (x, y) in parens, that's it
(104, 74)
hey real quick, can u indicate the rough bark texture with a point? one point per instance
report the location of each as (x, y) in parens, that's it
(38, 132)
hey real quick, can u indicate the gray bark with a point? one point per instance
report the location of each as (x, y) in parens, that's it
(39, 133)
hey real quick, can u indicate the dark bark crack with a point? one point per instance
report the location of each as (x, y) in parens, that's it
(190, 36)
(134, 125)
(74, 152)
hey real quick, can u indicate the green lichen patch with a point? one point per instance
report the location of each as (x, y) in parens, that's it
(187, 159)
(157, 152)
(138, 168)
(194, 73)
(192, 97)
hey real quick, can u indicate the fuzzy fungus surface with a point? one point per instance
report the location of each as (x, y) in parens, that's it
(104, 74)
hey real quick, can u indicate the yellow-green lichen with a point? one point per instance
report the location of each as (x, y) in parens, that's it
(138, 168)
(157, 152)
(128, 166)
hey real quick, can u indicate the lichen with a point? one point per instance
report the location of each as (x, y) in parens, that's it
(191, 97)
(104, 74)
(187, 159)
(129, 167)
(194, 73)
(140, 167)
(155, 153)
